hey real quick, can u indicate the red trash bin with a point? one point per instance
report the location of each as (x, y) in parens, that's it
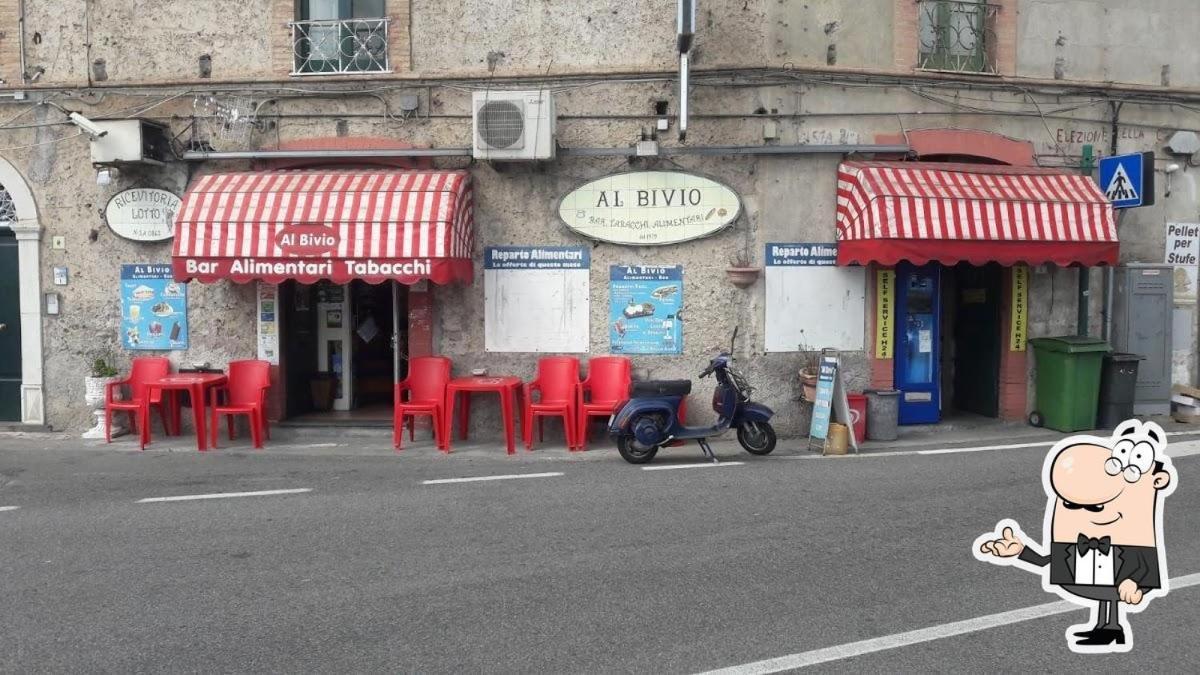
(858, 415)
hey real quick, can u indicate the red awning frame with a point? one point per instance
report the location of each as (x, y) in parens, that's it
(338, 225)
(922, 212)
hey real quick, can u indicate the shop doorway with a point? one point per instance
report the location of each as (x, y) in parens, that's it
(948, 341)
(977, 339)
(345, 347)
(10, 329)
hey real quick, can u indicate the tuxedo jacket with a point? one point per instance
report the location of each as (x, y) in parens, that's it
(1139, 563)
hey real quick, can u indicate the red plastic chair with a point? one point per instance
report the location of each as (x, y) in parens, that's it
(143, 371)
(426, 387)
(245, 394)
(556, 384)
(604, 390)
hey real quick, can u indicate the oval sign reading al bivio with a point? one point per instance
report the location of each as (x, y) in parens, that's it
(647, 208)
(307, 240)
(143, 214)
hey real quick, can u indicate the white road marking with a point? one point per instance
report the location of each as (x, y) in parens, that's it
(475, 479)
(1013, 446)
(224, 495)
(1179, 449)
(705, 465)
(1186, 449)
(9, 508)
(852, 649)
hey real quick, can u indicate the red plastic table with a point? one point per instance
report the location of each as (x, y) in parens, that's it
(196, 385)
(509, 389)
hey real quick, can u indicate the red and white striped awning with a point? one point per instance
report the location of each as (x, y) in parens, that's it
(949, 213)
(338, 225)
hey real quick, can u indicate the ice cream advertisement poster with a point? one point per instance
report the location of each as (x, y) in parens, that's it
(153, 308)
(644, 309)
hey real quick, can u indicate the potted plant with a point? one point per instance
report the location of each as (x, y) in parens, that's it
(741, 272)
(95, 384)
(810, 369)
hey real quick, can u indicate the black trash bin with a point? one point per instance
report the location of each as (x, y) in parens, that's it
(1118, 384)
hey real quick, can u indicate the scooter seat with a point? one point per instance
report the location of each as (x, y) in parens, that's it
(647, 388)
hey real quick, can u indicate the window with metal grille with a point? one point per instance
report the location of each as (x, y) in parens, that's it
(957, 35)
(8, 210)
(340, 36)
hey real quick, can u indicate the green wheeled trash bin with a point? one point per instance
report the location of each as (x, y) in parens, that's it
(1068, 381)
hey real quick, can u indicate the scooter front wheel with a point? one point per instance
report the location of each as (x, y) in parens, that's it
(634, 452)
(757, 438)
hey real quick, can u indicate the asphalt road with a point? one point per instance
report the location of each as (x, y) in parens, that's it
(605, 568)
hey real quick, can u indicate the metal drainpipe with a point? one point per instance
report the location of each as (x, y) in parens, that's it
(1109, 273)
(1109, 277)
(21, 37)
(709, 150)
(1085, 273)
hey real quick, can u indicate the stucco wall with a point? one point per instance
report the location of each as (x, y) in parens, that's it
(1110, 41)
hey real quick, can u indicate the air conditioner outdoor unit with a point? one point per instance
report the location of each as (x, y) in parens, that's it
(513, 125)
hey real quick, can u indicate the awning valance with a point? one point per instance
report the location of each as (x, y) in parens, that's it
(921, 212)
(336, 225)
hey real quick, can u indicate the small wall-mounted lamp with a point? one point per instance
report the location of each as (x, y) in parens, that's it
(1170, 169)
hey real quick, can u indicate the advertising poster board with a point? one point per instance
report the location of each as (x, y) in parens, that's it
(153, 308)
(823, 406)
(831, 403)
(268, 323)
(1183, 251)
(644, 309)
(537, 298)
(797, 315)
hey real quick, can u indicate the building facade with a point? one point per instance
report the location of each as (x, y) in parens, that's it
(780, 97)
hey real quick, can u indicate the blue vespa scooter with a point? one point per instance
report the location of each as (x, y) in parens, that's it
(650, 418)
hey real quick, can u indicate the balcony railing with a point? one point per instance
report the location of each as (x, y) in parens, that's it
(340, 46)
(959, 36)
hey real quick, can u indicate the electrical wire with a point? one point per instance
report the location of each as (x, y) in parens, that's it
(38, 145)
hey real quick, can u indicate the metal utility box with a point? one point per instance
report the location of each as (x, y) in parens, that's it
(1143, 308)
(132, 141)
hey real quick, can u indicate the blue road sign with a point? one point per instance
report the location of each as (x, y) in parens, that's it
(1128, 180)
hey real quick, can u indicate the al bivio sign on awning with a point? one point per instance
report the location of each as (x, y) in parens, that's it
(649, 208)
(337, 225)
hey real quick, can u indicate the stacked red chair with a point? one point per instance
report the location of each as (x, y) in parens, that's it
(245, 394)
(137, 404)
(556, 387)
(425, 387)
(602, 392)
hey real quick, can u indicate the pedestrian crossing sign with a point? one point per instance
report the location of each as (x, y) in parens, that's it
(1128, 180)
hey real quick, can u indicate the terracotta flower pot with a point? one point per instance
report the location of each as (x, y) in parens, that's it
(742, 277)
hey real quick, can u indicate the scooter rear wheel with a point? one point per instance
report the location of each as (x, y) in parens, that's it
(757, 438)
(634, 452)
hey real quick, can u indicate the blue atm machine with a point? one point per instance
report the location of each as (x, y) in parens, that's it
(917, 362)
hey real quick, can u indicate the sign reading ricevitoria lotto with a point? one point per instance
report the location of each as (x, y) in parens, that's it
(143, 214)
